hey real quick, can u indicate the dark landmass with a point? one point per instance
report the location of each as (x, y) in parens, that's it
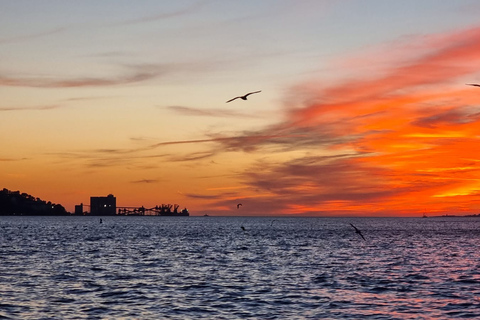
(16, 203)
(455, 216)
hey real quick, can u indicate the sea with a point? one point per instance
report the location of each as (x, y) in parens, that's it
(151, 267)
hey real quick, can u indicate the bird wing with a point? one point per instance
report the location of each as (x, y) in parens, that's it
(358, 231)
(232, 99)
(252, 93)
(473, 84)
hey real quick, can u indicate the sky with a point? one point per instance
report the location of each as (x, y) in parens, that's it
(363, 111)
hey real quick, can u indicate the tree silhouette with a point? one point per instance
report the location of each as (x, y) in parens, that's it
(16, 203)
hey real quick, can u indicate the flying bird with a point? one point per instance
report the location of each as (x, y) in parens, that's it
(243, 228)
(244, 97)
(358, 231)
(238, 205)
(473, 84)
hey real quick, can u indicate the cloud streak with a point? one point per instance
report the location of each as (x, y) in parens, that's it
(147, 181)
(167, 15)
(12, 159)
(22, 38)
(135, 73)
(221, 113)
(33, 82)
(46, 107)
(101, 158)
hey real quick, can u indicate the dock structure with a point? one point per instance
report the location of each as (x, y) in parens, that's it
(162, 210)
(107, 206)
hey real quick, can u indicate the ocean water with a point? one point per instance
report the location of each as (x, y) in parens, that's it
(210, 268)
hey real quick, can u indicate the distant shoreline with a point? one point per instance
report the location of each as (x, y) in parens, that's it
(276, 216)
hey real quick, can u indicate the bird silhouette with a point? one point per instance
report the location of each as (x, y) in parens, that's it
(358, 231)
(238, 205)
(243, 228)
(243, 97)
(473, 84)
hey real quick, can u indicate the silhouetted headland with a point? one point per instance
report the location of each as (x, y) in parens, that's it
(15, 203)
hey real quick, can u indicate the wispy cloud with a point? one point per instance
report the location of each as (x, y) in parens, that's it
(111, 157)
(46, 107)
(105, 158)
(12, 159)
(222, 113)
(147, 181)
(27, 37)
(167, 15)
(452, 117)
(36, 82)
(61, 104)
(133, 73)
(203, 196)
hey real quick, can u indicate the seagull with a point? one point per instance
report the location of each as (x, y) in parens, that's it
(244, 97)
(473, 84)
(238, 205)
(358, 231)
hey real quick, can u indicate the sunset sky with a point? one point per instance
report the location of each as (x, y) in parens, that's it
(364, 108)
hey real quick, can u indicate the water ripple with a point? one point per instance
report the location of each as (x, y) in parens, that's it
(197, 268)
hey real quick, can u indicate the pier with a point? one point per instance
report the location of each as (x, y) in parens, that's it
(107, 206)
(162, 210)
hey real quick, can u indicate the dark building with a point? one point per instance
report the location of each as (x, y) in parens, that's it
(103, 206)
(79, 209)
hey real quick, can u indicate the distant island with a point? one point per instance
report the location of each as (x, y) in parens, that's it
(457, 216)
(16, 203)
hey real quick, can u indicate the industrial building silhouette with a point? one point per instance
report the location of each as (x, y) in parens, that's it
(103, 206)
(107, 206)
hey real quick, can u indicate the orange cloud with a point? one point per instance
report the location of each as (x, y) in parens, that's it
(402, 141)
